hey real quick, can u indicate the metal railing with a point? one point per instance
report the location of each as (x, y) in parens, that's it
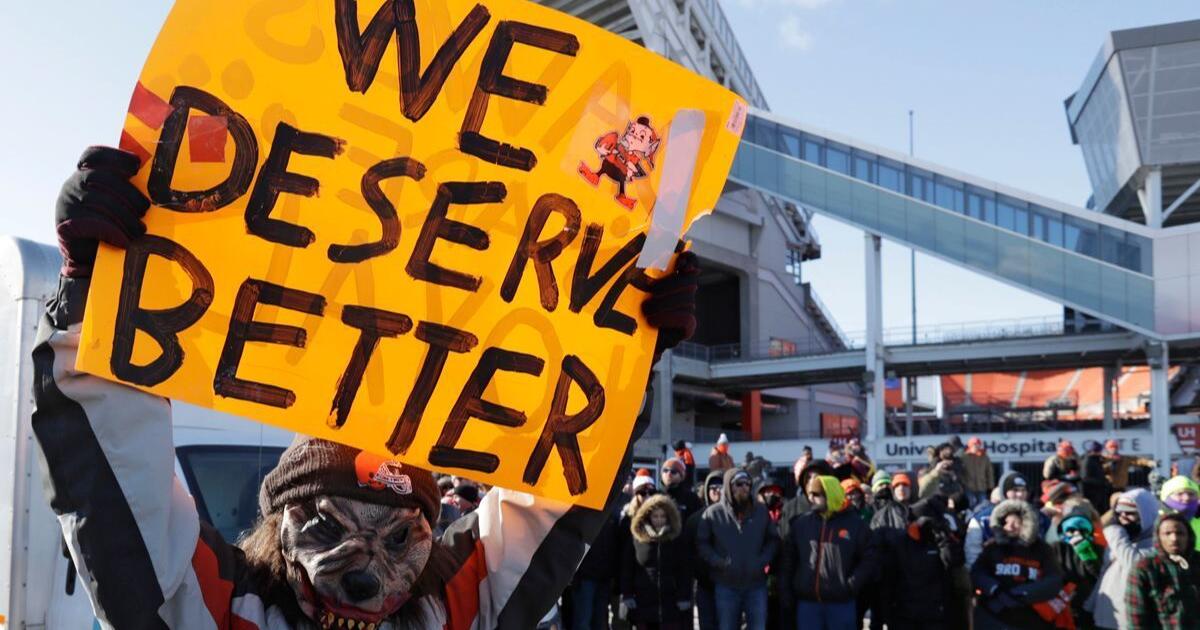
(810, 294)
(1019, 328)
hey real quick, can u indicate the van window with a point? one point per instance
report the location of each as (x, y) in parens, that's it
(224, 481)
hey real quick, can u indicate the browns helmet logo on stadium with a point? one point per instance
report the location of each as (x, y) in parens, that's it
(379, 473)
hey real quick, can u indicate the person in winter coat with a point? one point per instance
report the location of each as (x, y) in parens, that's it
(771, 495)
(979, 529)
(656, 569)
(1181, 495)
(1079, 556)
(979, 476)
(861, 466)
(1117, 466)
(798, 504)
(1164, 589)
(737, 541)
(719, 458)
(1063, 465)
(674, 476)
(1015, 573)
(892, 511)
(345, 538)
(1129, 533)
(592, 585)
(856, 499)
(918, 562)
(1093, 481)
(706, 608)
(872, 597)
(643, 490)
(683, 452)
(944, 474)
(828, 558)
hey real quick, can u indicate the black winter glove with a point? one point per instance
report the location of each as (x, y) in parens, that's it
(98, 203)
(671, 307)
(1002, 601)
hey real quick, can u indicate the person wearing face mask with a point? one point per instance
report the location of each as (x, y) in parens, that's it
(771, 495)
(1164, 590)
(1079, 554)
(737, 541)
(1181, 495)
(1015, 572)
(892, 512)
(1128, 541)
(856, 499)
(706, 611)
(917, 585)
(828, 558)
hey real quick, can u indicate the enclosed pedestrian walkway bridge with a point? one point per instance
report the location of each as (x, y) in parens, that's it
(1099, 264)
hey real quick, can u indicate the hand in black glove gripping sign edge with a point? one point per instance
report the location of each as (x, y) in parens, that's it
(98, 203)
(671, 306)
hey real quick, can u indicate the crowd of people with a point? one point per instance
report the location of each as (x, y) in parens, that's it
(949, 546)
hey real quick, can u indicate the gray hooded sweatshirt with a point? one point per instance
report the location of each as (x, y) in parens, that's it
(735, 550)
(1107, 601)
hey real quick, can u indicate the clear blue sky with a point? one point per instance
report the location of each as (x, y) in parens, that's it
(986, 79)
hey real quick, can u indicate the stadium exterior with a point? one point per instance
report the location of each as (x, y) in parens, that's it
(770, 367)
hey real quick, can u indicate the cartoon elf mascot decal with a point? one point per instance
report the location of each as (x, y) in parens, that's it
(624, 158)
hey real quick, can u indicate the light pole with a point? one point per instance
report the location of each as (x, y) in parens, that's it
(908, 381)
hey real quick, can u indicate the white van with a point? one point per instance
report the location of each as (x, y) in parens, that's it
(221, 459)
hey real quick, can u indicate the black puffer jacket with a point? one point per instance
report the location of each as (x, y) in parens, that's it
(692, 526)
(603, 557)
(656, 570)
(828, 556)
(1013, 574)
(917, 565)
(685, 500)
(890, 515)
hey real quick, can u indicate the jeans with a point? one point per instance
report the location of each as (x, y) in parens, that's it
(974, 499)
(706, 607)
(589, 605)
(732, 602)
(826, 616)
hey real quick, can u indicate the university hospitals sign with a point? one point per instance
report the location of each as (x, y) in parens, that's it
(1012, 447)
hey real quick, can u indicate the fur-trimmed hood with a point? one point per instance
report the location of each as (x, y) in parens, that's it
(640, 525)
(1029, 522)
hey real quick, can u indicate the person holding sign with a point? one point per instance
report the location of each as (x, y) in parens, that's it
(345, 539)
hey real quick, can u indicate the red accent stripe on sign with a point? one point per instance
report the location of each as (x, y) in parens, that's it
(206, 138)
(147, 107)
(130, 144)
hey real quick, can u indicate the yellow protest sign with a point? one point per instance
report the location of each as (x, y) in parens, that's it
(416, 228)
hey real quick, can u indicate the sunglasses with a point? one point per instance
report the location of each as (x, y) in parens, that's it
(741, 484)
(814, 495)
(670, 471)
